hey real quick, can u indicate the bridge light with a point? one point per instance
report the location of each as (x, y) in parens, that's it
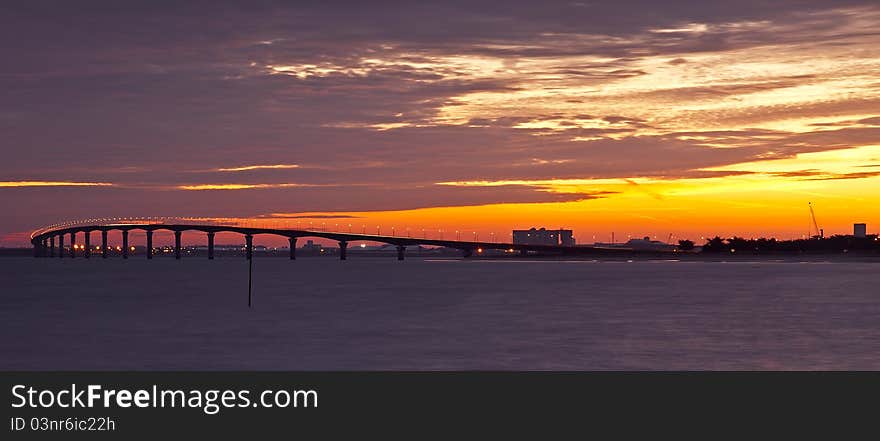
(479, 250)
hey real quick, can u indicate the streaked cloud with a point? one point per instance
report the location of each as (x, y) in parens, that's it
(257, 167)
(198, 187)
(10, 184)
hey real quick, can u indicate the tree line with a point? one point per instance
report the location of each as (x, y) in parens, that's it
(832, 244)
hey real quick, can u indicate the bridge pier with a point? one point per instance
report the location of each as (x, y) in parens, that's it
(292, 241)
(400, 251)
(467, 252)
(51, 246)
(343, 246)
(249, 246)
(87, 249)
(149, 244)
(72, 244)
(177, 245)
(210, 245)
(125, 244)
(103, 244)
(36, 245)
(45, 244)
(60, 246)
(523, 252)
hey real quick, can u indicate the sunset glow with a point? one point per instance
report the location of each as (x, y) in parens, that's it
(11, 184)
(258, 167)
(706, 122)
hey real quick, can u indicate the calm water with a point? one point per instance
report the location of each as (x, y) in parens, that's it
(378, 313)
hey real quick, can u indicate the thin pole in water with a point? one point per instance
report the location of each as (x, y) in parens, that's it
(250, 280)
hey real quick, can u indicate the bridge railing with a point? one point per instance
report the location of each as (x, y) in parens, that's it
(153, 220)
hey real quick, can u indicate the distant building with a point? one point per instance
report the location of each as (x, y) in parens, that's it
(644, 243)
(860, 230)
(312, 246)
(544, 236)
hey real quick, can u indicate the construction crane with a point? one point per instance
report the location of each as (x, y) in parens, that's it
(820, 233)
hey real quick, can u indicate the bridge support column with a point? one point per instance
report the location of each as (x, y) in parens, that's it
(292, 241)
(343, 247)
(72, 244)
(523, 252)
(177, 245)
(103, 244)
(125, 244)
(45, 245)
(149, 244)
(249, 246)
(60, 245)
(87, 249)
(467, 252)
(51, 246)
(400, 251)
(210, 245)
(37, 245)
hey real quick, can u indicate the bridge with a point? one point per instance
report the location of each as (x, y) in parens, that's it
(44, 239)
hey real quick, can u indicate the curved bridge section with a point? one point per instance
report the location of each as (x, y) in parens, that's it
(44, 240)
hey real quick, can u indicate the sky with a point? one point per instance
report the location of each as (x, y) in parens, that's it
(674, 119)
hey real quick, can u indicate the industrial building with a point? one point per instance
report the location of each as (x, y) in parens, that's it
(860, 230)
(544, 236)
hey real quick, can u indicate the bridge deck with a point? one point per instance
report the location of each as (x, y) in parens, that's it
(42, 239)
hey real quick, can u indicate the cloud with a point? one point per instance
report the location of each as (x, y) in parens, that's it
(369, 107)
(15, 184)
(854, 175)
(257, 167)
(202, 187)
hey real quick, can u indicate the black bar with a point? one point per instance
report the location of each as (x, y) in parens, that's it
(545, 405)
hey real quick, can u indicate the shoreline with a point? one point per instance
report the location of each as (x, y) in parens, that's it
(616, 257)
